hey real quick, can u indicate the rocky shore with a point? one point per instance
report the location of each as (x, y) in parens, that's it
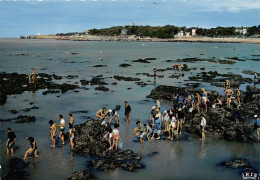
(219, 120)
(89, 141)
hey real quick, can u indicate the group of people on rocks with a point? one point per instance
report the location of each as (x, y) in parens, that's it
(112, 115)
(171, 120)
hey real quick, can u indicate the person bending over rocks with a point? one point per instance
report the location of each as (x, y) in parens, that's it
(116, 137)
(11, 141)
(53, 133)
(229, 94)
(148, 131)
(115, 117)
(101, 113)
(127, 112)
(32, 148)
(142, 131)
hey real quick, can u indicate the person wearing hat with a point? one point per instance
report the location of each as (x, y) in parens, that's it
(127, 112)
(258, 126)
(165, 120)
(152, 115)
(180, 120)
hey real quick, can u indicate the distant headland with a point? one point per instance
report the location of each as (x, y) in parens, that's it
(168, 33)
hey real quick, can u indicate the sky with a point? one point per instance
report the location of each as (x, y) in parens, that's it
(29, 17)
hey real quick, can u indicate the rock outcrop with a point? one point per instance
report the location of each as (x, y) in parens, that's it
(89, 141)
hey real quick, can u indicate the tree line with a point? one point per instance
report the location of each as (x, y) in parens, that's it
(169, 31)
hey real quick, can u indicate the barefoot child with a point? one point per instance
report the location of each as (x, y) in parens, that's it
(116, 136)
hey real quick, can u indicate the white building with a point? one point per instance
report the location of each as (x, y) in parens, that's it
(38, 34)
(187, 34)
(124, 32)
(244, 31)
(193, 32)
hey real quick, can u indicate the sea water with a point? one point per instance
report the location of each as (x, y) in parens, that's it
(163, 159)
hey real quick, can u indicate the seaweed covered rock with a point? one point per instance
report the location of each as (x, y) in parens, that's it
(82, 175)
(89, 141)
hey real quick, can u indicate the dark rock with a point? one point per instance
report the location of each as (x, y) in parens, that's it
(100, 66)
(13, 111)
(50, 92)
(236, 58)
(17, 169)
(34, 107)
(84, 82)
(114, 83)
(82, 175)
(26, 109)
(79, 112)
(141, 61)
(125, 65)
(101, 88)
(71, 76)
(25, 119)
(236, 163)
(249, 72)
(74, 53)
(126, 78)
(56, 77)
(97, 81)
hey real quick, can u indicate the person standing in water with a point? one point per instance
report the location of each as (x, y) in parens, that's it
(258, 126)
(108, 136)
(71, 119)
(202, 126)
(32, 148)
(53, 133)
(11, 141)
(127, 112)
(154, 70)
(32, 76)
(62, 129)
(72, 136)
(116, 137)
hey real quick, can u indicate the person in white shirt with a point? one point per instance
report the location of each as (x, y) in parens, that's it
(62, 128)
(202, 126)
(172, 125)
(165, 119)
(158, 104)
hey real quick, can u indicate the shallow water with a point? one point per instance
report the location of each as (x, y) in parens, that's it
(188, 159)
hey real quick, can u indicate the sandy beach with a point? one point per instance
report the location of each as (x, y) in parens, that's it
(201, 39)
